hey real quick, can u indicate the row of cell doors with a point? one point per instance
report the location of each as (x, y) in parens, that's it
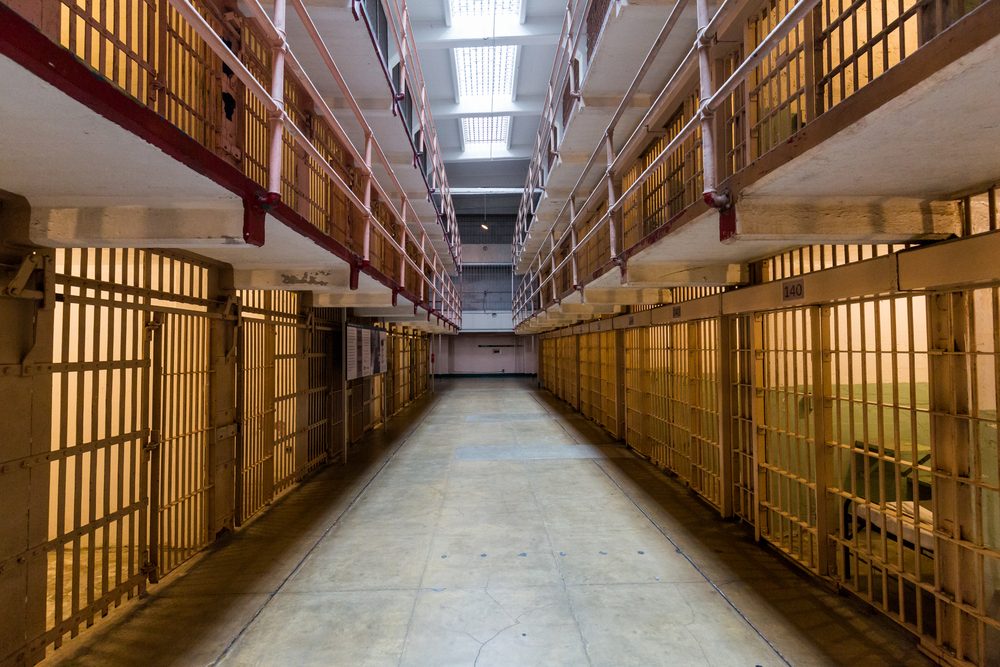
(861, 438)
(170, 423)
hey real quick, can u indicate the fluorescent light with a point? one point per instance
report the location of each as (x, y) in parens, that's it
(486, 129)
(484, 8)
(484, 226)
(483, 74)
(485, 71)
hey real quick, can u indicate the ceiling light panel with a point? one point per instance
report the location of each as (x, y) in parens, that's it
(486, 129)
(485, 71)
(484, 8)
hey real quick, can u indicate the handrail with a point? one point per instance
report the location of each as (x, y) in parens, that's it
(532, 284)
(359, 116)
(644, 67)
(429, 136)
(654, 50)
(573, 20)
(442, 292)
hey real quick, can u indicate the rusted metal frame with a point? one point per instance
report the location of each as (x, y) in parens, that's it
(723, 397)
(214, 41)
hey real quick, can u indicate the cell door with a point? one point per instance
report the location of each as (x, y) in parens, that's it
(786, 484)
(256, 391)
(180, 418)
(96, 551)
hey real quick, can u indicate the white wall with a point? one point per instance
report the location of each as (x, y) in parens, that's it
(496, 353)
(499, 322)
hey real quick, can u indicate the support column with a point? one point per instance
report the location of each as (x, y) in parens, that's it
(614, 187)
(304, 338)
(951, 456)
(345, 405)
(277, 120)
(223, 410)
(822, 380)
(759, 419)
(27, 307)
(579, 377)
(724, 364)
(620, 383)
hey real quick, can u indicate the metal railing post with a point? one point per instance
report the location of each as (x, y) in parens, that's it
(706, 89)
(276, 117)
(612, 196)
(402, 242)
(573, 242)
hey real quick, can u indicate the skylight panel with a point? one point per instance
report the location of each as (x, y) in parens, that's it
(485, 71)
(484, 8)
(486, 130)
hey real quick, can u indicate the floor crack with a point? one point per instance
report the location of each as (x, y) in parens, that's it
(495, 635)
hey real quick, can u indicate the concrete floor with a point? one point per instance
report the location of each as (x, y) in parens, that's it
(490, 525)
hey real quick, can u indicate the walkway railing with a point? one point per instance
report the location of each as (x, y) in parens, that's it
(234, 84)
(754, 76)
(559, 93)
(389, 23)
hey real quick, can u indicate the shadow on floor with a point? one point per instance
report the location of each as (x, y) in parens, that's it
(205, 605)
(788, 606)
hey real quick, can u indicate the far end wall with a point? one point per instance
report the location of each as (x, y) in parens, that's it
(492, 353)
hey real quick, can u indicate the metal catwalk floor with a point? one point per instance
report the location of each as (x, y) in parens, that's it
(492, 526)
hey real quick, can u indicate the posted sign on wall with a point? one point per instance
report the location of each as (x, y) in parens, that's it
(365, 352)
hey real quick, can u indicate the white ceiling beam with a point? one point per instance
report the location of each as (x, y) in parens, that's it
(486, 191)
(461, 133)
(514, 153)
(517, 69)
(481, 33)
(524, 107)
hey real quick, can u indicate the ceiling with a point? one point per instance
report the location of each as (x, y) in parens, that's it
(486, 64)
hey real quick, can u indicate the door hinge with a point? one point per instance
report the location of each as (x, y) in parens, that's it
(17, 287)
(150, 571)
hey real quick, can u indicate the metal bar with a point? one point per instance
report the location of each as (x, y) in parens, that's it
(273, 101)
(705, 93)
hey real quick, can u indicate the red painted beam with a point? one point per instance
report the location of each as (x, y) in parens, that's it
(23, 43)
